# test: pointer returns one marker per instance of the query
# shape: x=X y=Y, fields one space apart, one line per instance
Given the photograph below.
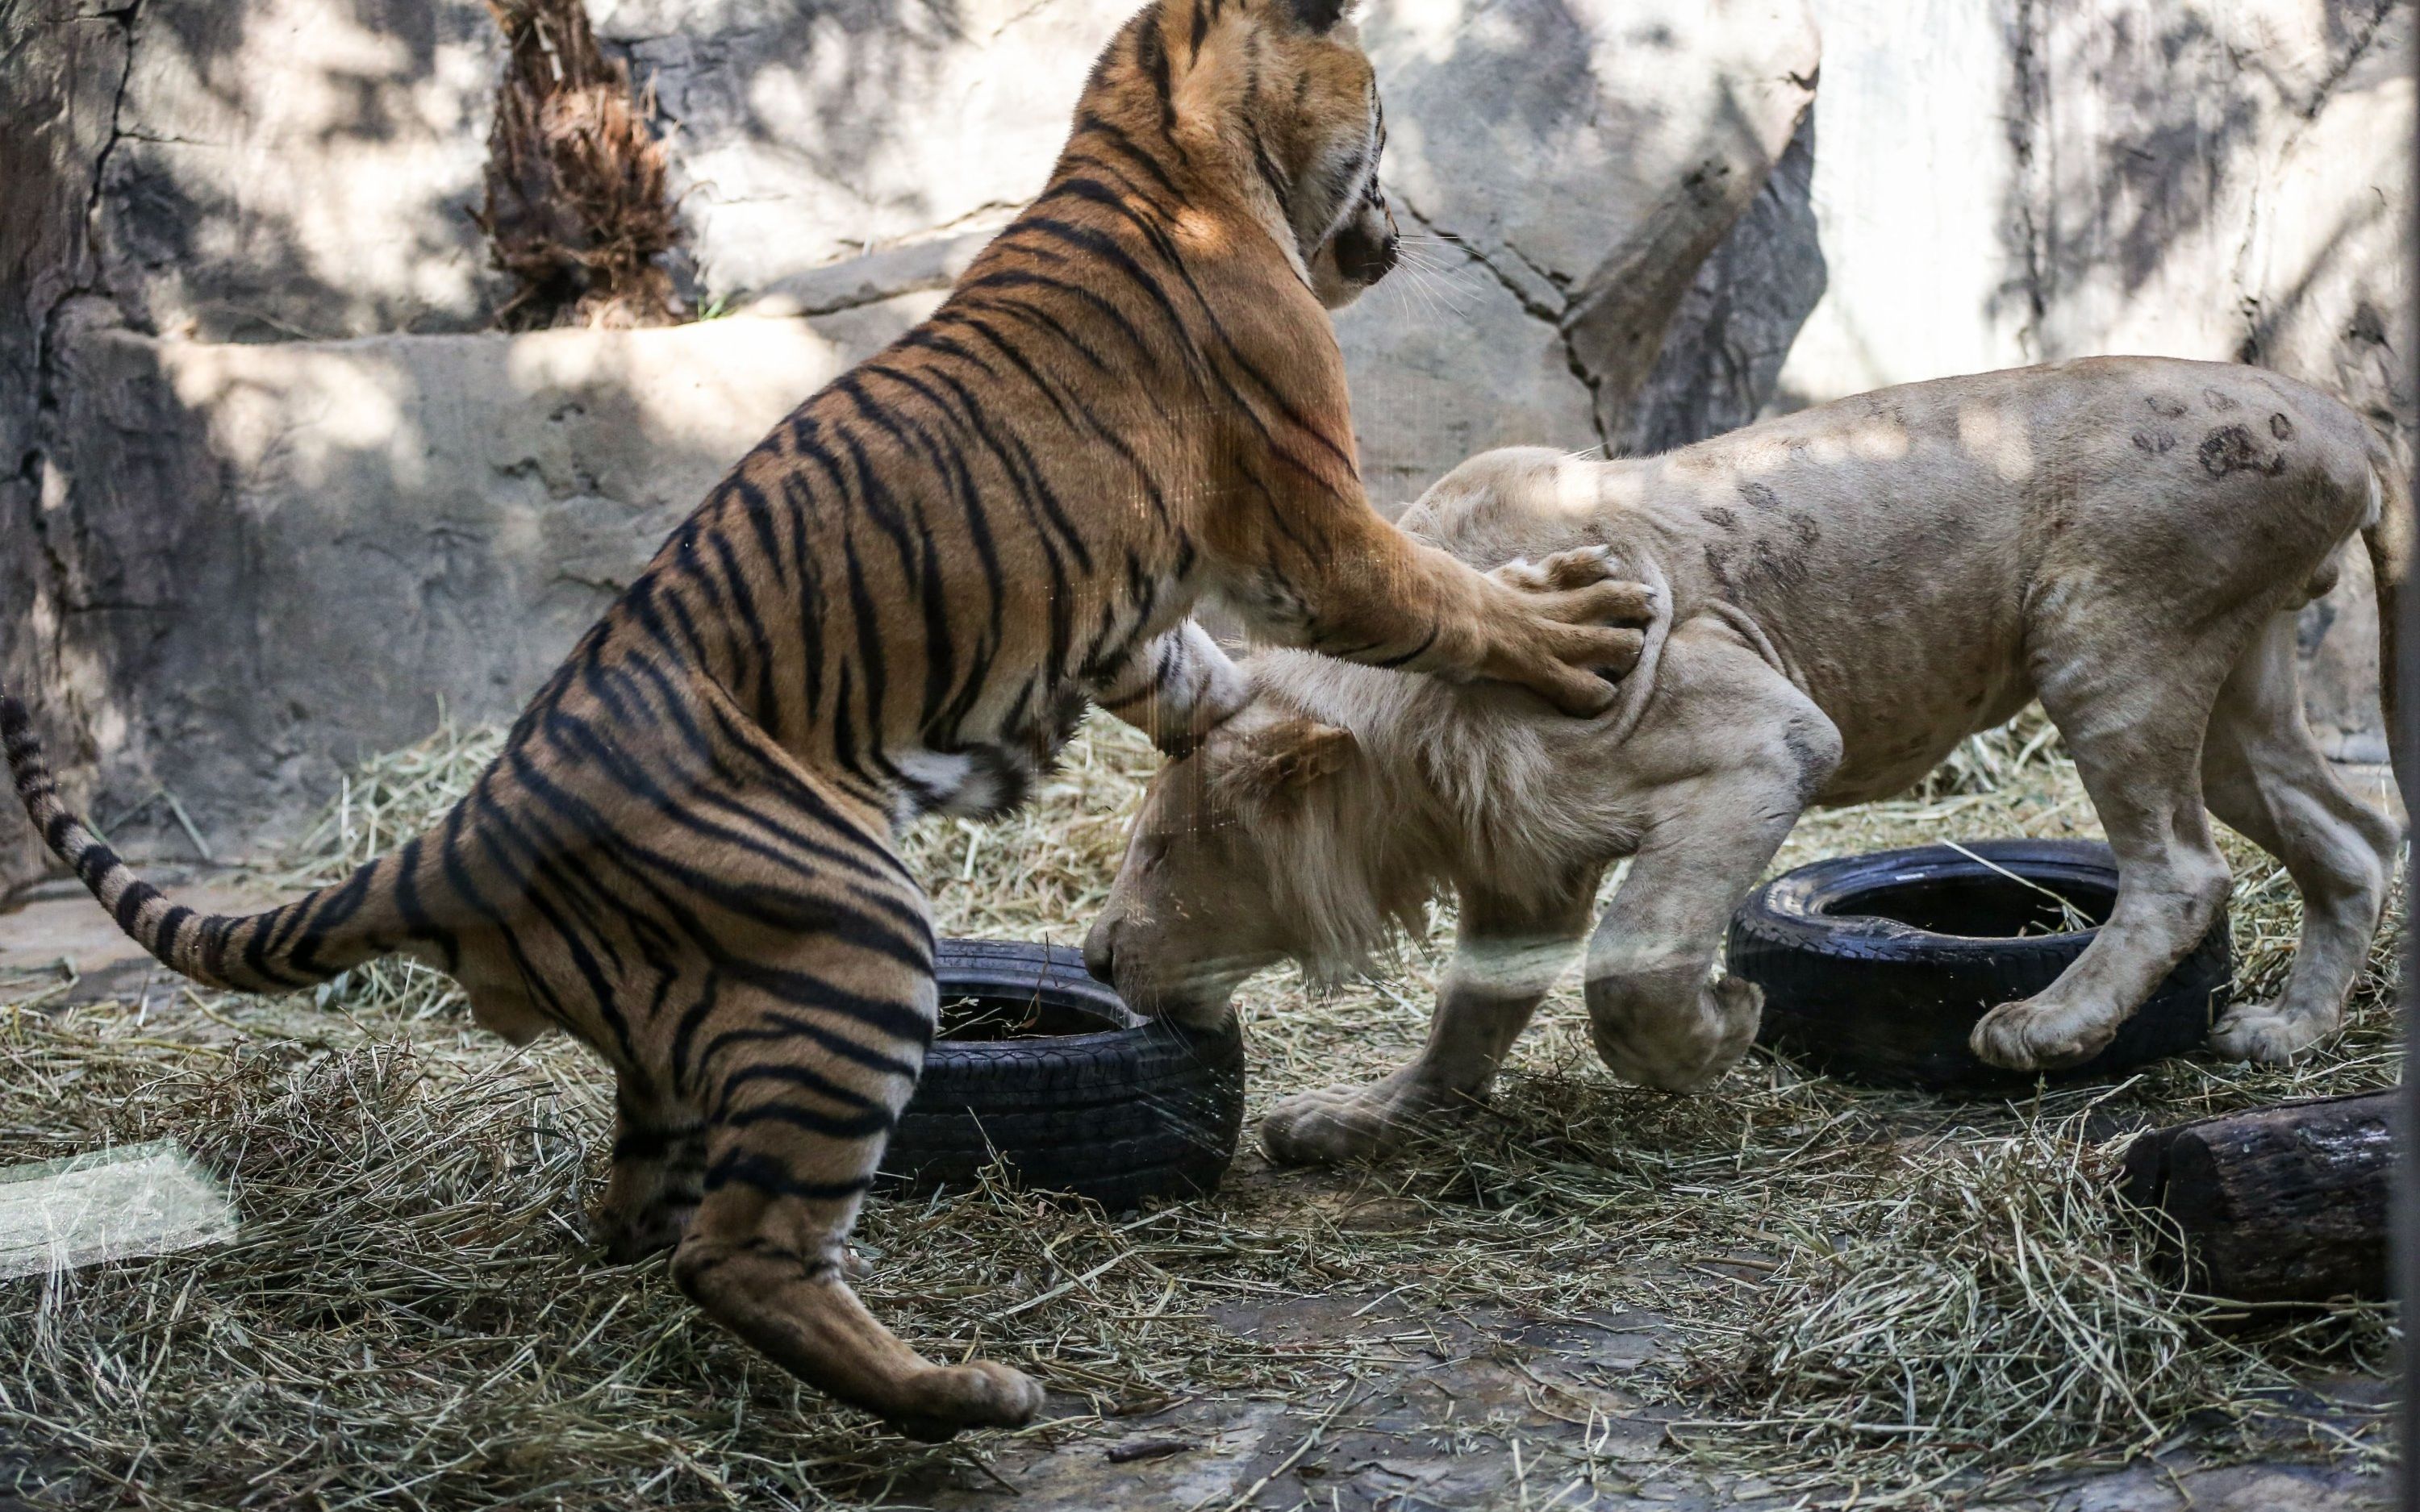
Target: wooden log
x=2278 y=1204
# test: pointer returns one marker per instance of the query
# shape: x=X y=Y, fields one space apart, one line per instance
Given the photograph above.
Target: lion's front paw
x=2034 y=1036
x=2259 y=1033
x=1674 y=1048
x=1340 y=1125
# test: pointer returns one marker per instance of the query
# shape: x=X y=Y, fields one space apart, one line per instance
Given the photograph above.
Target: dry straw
x=1923 y=1299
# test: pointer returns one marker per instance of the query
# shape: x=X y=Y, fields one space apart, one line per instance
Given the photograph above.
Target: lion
x=1840 y=596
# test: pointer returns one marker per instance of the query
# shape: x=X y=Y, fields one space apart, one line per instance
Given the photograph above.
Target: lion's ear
x=1295 y=752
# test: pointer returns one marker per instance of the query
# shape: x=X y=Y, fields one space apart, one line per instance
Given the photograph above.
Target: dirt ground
x=1374 y=1384
x=1421 y=1408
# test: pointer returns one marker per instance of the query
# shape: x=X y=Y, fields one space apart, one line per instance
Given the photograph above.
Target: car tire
x=1876 y=967
x=1091 y=1099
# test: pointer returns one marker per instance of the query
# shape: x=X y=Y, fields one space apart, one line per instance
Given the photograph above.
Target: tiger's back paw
x=949 y=1399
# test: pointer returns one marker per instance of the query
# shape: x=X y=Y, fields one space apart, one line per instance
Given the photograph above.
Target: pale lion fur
x=1840 y=596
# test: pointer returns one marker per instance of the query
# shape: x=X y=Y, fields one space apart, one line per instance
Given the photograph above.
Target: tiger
x=900 y=603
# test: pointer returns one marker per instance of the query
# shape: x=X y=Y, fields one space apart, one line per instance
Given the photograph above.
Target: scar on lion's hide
x=2231 y=449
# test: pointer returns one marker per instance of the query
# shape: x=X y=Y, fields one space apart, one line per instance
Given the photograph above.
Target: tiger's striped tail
x=300 y=944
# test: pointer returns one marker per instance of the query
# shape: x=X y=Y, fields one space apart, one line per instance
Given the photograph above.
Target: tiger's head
x=1276 y=99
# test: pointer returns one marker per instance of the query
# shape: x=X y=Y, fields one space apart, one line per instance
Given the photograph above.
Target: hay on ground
x=1903 y=1291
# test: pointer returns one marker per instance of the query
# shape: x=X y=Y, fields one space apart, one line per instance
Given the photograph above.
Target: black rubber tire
x=1874 y=999
x=1139 y=1109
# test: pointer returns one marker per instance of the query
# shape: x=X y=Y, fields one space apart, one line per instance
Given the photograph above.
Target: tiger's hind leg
x=805 y=1065
x=658 y=1173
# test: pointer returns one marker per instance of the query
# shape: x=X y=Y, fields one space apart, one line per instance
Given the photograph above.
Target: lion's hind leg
x=2263 y=775
x=2133 y=716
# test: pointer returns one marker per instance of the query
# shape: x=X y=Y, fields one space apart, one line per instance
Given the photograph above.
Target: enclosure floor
x=1492 y=1410
x=1397 y=1405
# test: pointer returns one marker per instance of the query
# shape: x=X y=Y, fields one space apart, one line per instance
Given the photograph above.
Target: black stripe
x=466 y=890
x=933 y=594
x=863 y=1125
x=743 y=600
x=805 y=990
x=1089 y=124
x=769 y=1176
x=796 y=910
x=759 y=512
x=1280 y=186
x=1416 y=653
x=130 y=903
x=548 y=864
x=775 y=1024
x=1014 y=278
x=1150 y=54
x=804 y=1078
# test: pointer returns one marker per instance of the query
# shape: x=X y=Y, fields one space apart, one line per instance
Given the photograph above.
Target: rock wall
x=278 y=499
x=267 y=494
x=292 y=169
x=58 y=91
x=1562 y=167
x=369 y=533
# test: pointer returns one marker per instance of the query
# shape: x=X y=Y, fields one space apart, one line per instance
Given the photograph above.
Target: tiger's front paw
x=942 y=1400
x=1581 y=637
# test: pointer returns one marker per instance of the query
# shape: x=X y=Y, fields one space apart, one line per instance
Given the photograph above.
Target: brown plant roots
x=576 y=205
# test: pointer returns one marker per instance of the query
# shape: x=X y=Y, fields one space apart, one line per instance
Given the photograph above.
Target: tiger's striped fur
x=899 y=602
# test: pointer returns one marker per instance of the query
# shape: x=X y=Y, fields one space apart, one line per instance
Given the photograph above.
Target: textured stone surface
x=1985 y=183
x=300 y=168
x=1583 y=159
x=1722 y=358
x=60 y=65
x=801 y=133
x=289 y=554
x=1562 y=170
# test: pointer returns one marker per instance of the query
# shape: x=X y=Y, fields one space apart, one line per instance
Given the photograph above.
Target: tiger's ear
x=1291 y=754
x=1319 y=15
